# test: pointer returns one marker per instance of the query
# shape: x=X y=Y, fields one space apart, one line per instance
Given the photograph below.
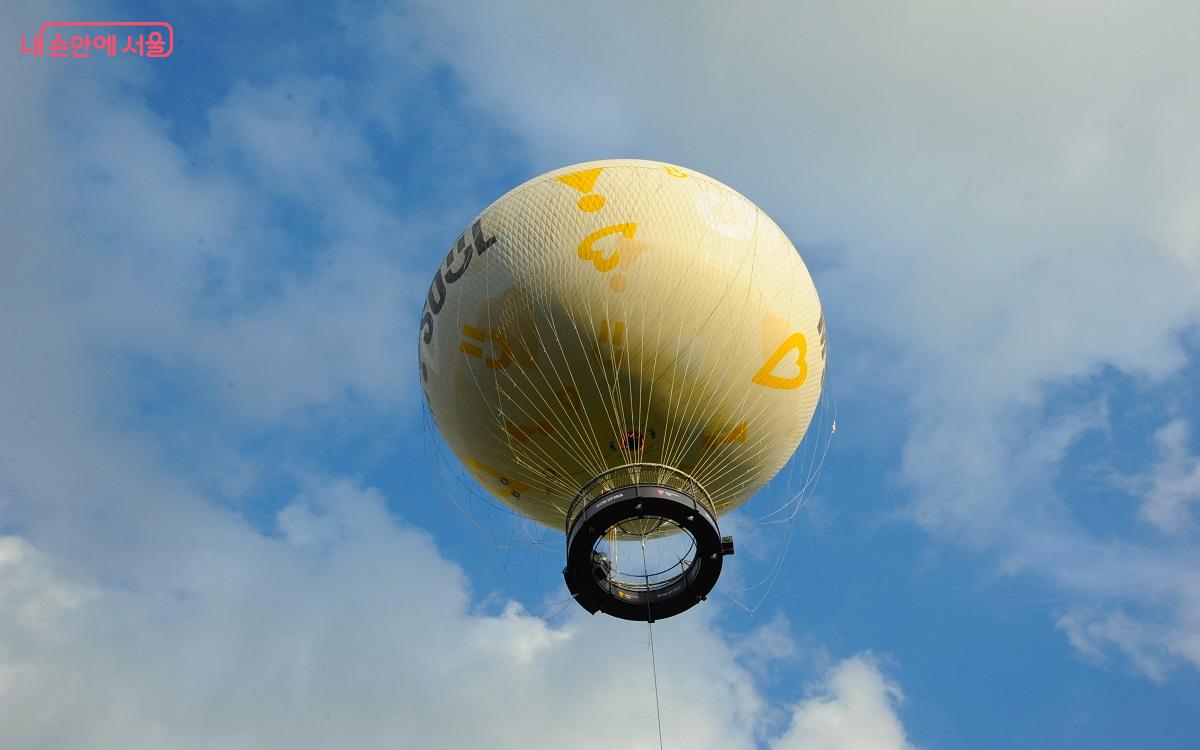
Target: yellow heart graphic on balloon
x=766 y=374
x=603 y=263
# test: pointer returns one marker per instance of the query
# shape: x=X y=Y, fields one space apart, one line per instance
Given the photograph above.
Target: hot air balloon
x=625 y=350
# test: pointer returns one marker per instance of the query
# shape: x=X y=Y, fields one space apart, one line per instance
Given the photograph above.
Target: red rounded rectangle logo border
x=39 y=45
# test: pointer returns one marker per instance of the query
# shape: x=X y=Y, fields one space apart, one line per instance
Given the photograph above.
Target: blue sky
x=222 y=518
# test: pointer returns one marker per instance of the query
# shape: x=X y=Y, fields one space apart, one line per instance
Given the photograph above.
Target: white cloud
x=1094 y=633
x=1009 y=189
x=854 y=708
x=1174 y=483
x=136 y=246
x=350 y=629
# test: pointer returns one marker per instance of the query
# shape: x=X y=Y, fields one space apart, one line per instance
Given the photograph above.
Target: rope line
x=653 y=659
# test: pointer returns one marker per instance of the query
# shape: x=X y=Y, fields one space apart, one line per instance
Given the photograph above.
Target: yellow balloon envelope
x=616 y=321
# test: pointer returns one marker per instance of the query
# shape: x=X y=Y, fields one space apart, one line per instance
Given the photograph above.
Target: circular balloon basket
x=645 y=550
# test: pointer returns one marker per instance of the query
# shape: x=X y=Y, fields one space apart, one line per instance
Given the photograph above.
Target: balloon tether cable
x=653 y=660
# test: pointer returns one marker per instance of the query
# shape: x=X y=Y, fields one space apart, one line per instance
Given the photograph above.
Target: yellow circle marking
x=590 y=203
